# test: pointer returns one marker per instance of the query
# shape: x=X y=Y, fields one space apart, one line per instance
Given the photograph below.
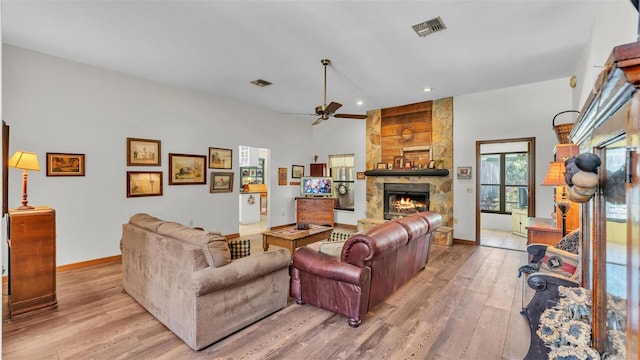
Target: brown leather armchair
x=372 y=265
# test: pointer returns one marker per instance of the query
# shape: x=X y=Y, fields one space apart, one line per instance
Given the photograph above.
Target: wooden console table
x=542 y=231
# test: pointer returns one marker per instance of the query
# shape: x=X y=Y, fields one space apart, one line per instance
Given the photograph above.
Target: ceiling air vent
x=429 y=27
x=261 y=83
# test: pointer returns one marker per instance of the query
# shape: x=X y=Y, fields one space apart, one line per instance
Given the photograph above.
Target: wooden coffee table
x=292 y=238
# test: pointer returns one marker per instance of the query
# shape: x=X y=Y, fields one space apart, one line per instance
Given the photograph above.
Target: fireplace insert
x=405 y=199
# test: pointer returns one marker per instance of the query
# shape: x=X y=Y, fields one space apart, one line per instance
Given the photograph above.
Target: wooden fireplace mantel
x=407 y=172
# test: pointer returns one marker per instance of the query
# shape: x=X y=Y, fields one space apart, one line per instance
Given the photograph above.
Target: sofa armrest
x=536 y=251
x=239 y=271
x=326 y=266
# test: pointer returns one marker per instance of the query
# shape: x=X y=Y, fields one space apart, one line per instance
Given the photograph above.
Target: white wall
x=343 y=136
x=56 y=105
x=616 y=24
x=515 y=112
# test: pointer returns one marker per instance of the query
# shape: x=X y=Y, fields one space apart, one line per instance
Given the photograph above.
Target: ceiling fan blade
x=350 y=116
x=332 y=107
x=318 y=121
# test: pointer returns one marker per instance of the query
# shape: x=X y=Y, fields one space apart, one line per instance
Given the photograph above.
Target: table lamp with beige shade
x=555 y=177
x=26 y=161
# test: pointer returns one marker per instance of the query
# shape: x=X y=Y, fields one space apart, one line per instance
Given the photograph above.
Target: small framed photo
x=297 y=171
x=398 y=162
x=65 y=164
x=144 y=183
x=221 y=182
x=360 y=175
x=143 y=152
x=464 y=172
x=220 y=158
x=186 y=169
x=381 y=165
x=282 y=176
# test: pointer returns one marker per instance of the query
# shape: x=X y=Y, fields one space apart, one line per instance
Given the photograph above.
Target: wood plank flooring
x=464 y=305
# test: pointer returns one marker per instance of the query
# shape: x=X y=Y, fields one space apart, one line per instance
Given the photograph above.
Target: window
x=341 y=170
x=503 y=182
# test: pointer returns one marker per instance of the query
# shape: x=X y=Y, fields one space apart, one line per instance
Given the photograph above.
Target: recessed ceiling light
x=359 y=102
x=427 y=89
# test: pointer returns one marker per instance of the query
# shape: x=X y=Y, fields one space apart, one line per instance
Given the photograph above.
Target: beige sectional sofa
x=185 y=278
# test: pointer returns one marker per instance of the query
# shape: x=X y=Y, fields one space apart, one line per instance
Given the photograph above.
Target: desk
x=292 y=238
x=542 y=231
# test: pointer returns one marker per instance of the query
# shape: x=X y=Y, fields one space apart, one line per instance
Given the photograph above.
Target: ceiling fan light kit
x=325 y=111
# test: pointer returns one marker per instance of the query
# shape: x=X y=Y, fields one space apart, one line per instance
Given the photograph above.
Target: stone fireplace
x=405 y=199
x=440 y=142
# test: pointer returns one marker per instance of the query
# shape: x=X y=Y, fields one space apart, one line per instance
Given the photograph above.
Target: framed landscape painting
x=220 y=158
x=143 y=152
x=186 y=169
x=64 y=164
x=144 y=183
x=297 y=171
x=221 y=182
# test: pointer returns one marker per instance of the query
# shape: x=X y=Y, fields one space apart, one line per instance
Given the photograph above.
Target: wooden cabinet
x=318 y=169
x=32 y=260
x=542 y=231
x=315 y=210
x=609 y=126
x=519 y=221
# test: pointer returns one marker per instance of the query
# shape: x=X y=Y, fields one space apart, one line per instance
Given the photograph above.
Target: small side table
x=542 y=231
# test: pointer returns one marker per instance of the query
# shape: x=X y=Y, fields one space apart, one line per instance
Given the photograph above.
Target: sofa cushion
x=213 y=244
x=570 y=243
x=240 y=248
x=559 y=262
x=146 y=221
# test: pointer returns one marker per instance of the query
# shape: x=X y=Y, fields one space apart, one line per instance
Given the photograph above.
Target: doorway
x=254 y=190
x=505 y=194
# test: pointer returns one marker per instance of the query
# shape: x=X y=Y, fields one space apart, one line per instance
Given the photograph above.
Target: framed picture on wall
x=65 y=164
x=464 y=172
x=282 y=176
x=220 y=158
x=297 y=171
x=143 y=152
x=186 y=169
x=221 y=182
x=144 y=183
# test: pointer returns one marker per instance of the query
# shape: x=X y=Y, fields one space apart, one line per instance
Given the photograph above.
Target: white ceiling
x=218 y=47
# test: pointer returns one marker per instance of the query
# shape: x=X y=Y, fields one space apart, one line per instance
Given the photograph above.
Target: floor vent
x=429 y=27
x=261 y=83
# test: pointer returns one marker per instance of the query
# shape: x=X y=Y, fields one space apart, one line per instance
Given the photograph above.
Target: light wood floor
x=464 y=305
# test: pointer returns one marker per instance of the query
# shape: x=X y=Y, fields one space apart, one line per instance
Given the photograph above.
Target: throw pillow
x=219 y=249
x=239 y=248
x=339 y=236
x=560 y=262
x=570 y=242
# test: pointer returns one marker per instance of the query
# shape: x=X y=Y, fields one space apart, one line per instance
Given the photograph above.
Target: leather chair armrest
x=540 y=281
x=326 y=266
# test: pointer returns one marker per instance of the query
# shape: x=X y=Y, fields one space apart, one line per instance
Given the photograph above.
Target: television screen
x=316 y=186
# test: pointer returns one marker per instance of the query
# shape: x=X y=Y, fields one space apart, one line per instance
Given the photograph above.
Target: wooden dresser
x=32 y=260
x=315 y=210
x=542 y=231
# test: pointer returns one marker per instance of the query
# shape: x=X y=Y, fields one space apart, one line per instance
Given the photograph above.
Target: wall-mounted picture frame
x=282 y=176
x=360 y=175
x=143 y=152
x=187 y=169
x=464 y=172
x=65 y=164
x=144 y=183
x=297 y=171
x=220 y=158
x=221 y=182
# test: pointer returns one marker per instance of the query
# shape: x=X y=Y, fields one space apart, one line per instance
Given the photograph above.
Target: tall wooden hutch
x=609 y=126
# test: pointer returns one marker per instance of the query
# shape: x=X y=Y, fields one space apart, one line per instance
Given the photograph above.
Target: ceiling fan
x=324 y=110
